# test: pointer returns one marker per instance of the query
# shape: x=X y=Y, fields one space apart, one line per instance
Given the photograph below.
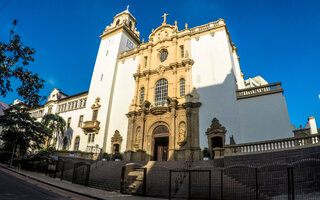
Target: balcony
x=159 y=109
x=259 y=91
x=91 y=126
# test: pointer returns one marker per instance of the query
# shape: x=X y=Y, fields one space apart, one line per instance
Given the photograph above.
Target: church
x=160 y=99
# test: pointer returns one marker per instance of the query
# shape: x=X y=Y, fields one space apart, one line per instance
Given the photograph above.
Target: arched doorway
x=216 y=142
x=161 y=143
x=116 y=148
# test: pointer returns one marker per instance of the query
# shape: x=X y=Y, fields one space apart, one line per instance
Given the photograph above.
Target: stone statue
x=182 y=134
x=137 y=138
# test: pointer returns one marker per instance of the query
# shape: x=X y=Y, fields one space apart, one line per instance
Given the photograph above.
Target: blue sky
x=278 y=40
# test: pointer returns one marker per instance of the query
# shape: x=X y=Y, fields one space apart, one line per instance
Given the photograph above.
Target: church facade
x=155 y=100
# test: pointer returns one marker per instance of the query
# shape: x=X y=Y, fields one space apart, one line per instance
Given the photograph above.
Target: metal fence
x=190 y=184
x=295 y=181
x=299 y=180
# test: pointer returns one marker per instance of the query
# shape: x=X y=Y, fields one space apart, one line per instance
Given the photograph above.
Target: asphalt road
x=15 y=186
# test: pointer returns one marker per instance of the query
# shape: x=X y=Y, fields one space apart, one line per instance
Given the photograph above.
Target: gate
x=133 y=180
x=189 y=184
x=81 y=173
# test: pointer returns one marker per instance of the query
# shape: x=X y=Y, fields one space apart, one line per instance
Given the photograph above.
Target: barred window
x=182 y=51
x=80 y=121
x=161 y=92
x=141 y=95
x=182 y=87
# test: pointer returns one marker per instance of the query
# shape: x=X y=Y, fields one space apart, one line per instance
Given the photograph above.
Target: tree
x=20 y=129
x=55 y=124
x=14 y=59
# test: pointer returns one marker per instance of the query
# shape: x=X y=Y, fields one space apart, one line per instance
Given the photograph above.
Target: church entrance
x=161 y=148
x=161 y=143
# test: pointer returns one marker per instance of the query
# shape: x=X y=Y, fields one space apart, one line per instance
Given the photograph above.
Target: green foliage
x=206 y=152
x=55 y=124
x=44 y=154
x=14 y=59
x=19 y=128
x=117 y=155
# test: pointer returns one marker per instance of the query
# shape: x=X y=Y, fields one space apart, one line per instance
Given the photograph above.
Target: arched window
x=65 y=144
x=141 y=95
x=182 y=87
x=161 y=92
x=118 y=21
x=76 y=144
x=130 y=24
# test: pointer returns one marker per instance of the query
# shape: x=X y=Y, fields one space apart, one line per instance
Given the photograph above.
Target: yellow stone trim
x=185 y=34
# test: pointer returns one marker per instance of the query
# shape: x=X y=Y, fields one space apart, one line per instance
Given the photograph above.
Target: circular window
x=163 y=55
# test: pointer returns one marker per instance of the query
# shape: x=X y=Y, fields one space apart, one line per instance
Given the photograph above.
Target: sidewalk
x=75 y=188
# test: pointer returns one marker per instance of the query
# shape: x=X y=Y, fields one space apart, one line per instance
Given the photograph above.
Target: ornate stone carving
x=116 y=137
x=182 y=134
x=161 y=69
x=96 y=104
x=216 y=135
x=162 y=33
x=116 y=140
x=215 y=127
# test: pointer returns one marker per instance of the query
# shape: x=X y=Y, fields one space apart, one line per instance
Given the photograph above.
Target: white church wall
x=122 y=98
x=101 y=83
x=237 y=71
x=213 y=77
x=264 y=118
x=74 y=130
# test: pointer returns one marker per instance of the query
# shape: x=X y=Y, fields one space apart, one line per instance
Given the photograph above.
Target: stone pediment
x=215 y=127
x=162 y=33
x=116 y=137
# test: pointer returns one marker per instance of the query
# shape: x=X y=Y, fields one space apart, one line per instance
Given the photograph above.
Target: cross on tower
x=164 y=17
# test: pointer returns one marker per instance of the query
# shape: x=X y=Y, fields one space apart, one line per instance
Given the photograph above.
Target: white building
x=251 y=110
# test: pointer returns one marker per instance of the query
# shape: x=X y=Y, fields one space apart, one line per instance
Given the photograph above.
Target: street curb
x=79 y=193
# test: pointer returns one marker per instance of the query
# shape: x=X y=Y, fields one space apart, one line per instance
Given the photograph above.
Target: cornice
x=123 y=26
x=164 y=69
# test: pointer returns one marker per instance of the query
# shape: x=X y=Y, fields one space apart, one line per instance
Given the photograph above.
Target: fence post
x=189 y=195
x=221 y=184
x=292 y=183
x=88 y=175
x=170 y=184
x=144 y=181
x=56 y=168
x=257 y=186
x=62 y=171
x=122 y=181
x=289 y=184
x=210 y=184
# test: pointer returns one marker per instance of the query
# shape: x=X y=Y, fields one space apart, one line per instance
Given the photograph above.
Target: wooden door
x=160 y=153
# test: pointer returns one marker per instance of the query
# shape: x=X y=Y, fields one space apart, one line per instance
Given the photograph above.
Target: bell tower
x=120 y=36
